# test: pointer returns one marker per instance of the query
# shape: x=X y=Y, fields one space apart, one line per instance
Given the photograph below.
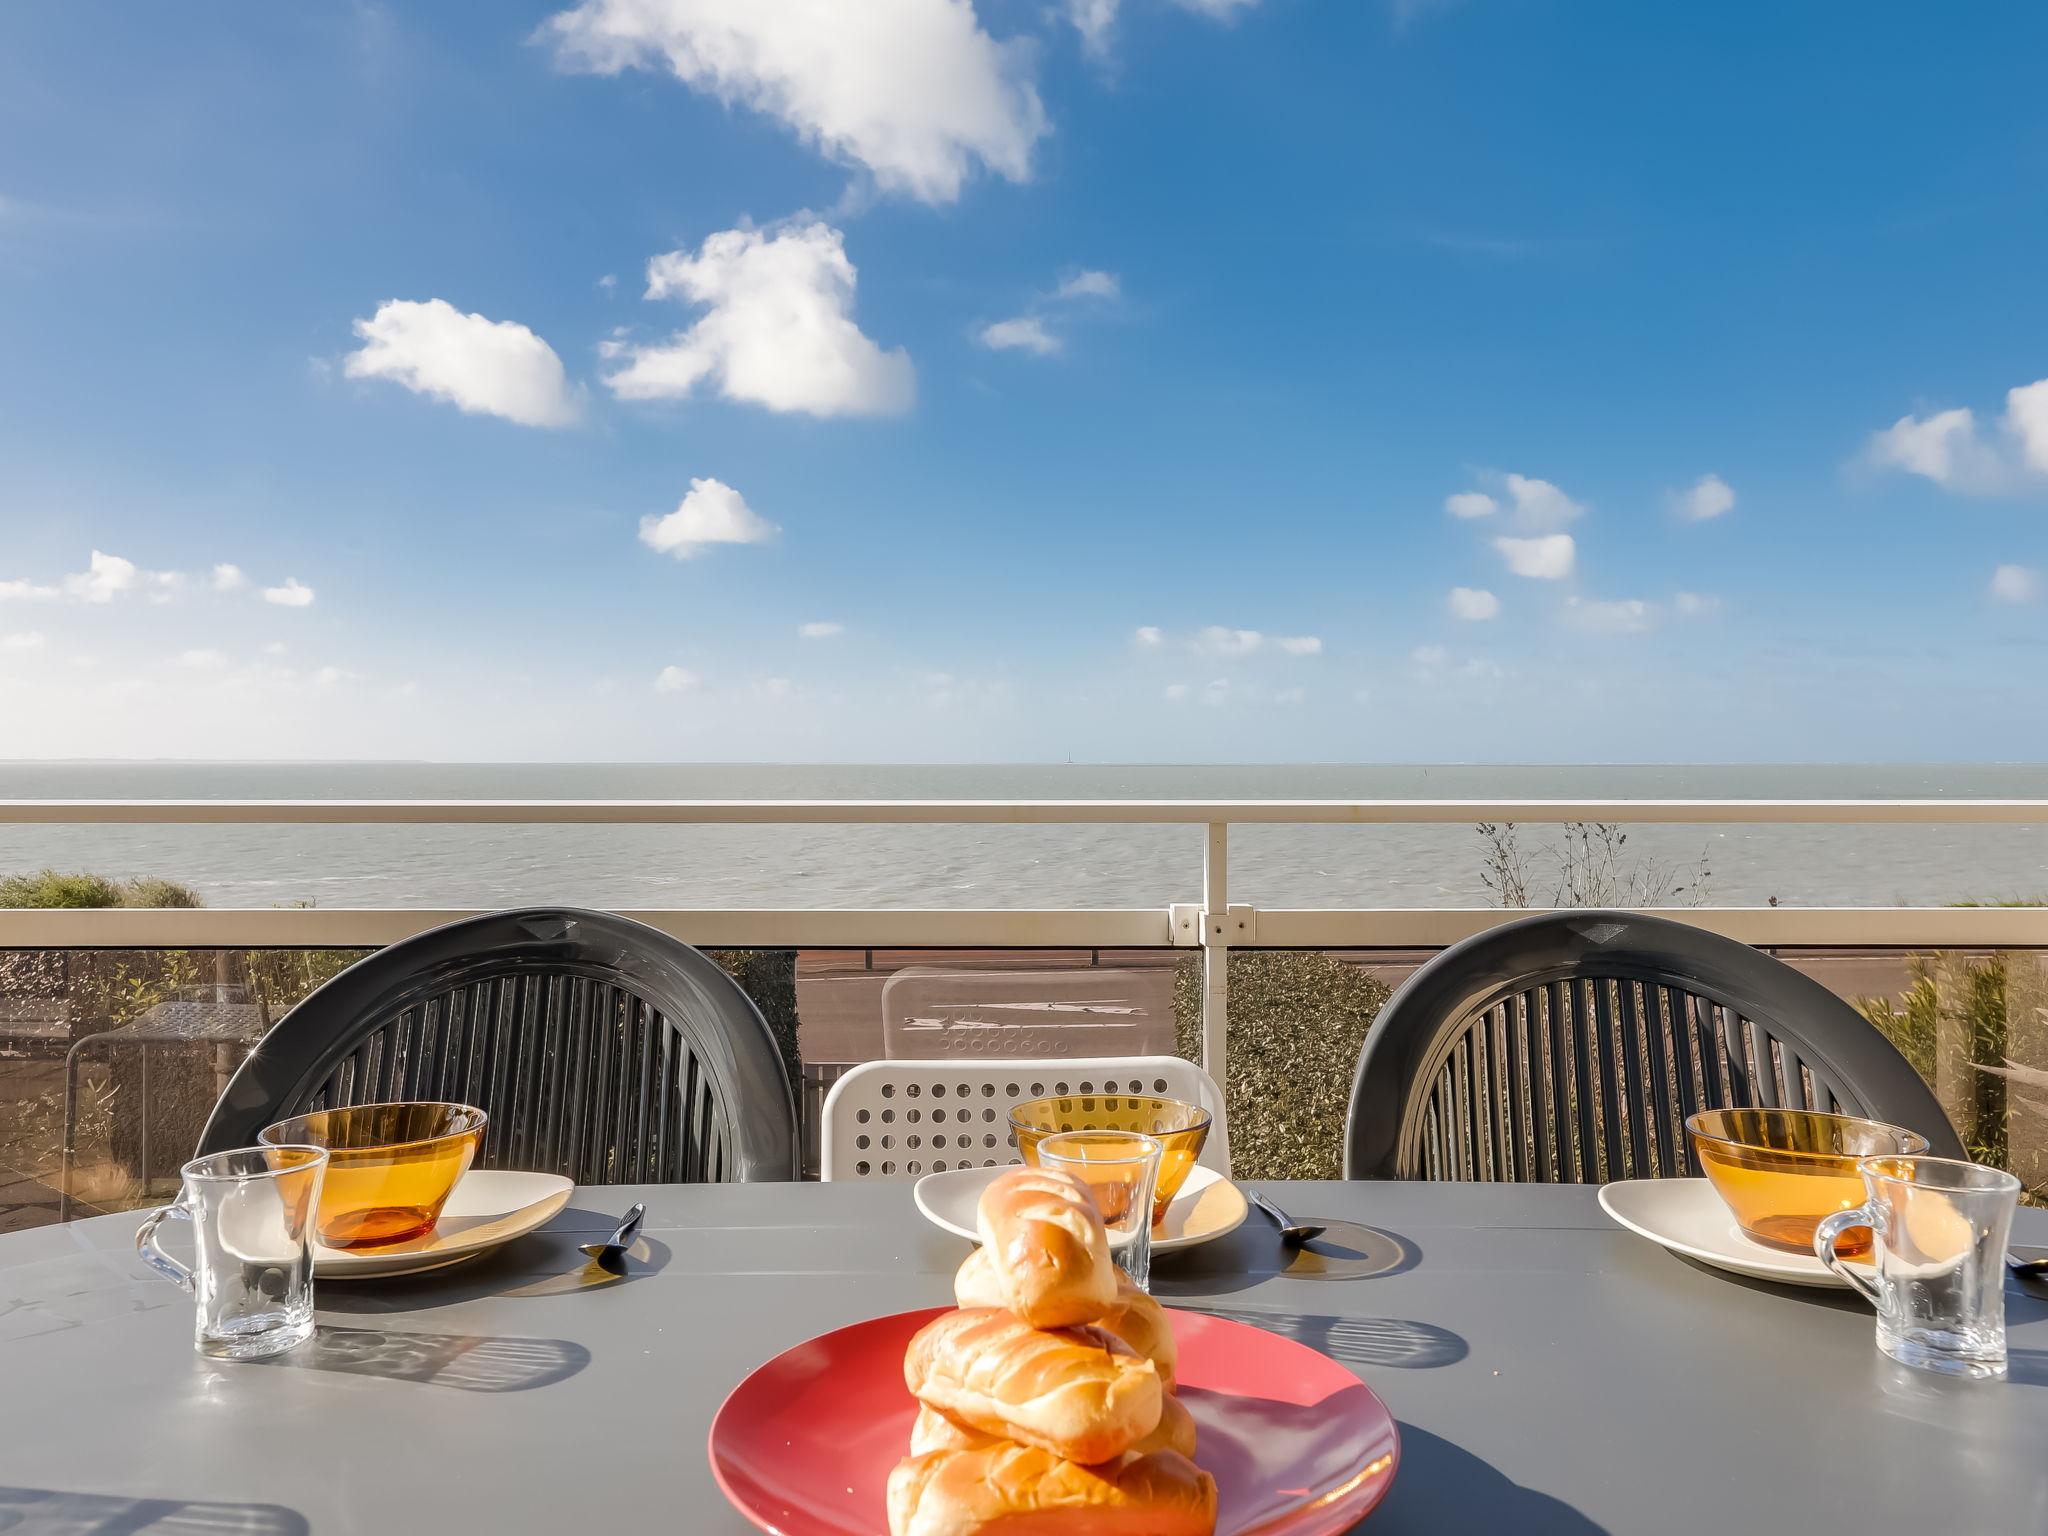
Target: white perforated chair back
x=903 y=1119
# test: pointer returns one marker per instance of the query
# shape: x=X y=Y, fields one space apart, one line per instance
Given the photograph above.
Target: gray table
x=1551 y=1373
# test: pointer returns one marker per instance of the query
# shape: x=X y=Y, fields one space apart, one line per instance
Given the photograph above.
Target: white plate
x=489 y=1206
x=1207 y=1206
x=1686 y=1216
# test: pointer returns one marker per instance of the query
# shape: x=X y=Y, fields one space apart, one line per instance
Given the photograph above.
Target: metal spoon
x=612 y=1255
x=2028 y=1267
x=1292 y=1232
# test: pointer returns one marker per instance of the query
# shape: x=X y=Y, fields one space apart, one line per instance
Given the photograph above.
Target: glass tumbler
x=252 y=1221
x=1120 y=1169
x=1938 y=1230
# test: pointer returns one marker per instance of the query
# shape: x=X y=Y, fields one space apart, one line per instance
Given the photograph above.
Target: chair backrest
x=602 y=1049
x=941 y=1014
x=1570 y=1048
x=901 y=1119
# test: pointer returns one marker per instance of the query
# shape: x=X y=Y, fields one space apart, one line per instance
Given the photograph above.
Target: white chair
x=900 y=1119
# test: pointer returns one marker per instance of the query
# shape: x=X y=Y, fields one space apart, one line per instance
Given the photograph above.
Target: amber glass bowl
x=390 y=1167
x=1781 y=1170
x=1180 y=1129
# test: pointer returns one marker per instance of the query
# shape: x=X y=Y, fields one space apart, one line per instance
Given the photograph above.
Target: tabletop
x=1550 y=1373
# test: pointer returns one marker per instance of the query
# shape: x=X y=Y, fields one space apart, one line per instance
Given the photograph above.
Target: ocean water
x=1010 y=867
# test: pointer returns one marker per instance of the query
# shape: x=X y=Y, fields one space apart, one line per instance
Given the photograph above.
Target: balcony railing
x=1208 y=921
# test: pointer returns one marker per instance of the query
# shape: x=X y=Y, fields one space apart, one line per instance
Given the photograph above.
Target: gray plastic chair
x=1570 y=1048
x=602 y=1049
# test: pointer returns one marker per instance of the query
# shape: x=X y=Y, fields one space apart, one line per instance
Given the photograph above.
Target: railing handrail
x=1380 y=812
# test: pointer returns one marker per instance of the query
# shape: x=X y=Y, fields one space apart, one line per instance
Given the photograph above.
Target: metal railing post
x=1216 y=951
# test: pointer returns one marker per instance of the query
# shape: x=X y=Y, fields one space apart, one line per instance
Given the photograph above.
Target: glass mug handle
x=1831 y=1228
x=155 y=1257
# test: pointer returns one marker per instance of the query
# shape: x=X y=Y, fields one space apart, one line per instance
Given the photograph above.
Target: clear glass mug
x=1939 y=1229
x=252 y=1222
x=1121 y=1169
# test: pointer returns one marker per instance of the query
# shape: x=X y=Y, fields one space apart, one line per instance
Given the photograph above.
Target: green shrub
x=150 y=891
x=49 y=888
x=1297 y=1020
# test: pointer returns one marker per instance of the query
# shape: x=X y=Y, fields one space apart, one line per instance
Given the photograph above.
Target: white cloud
x=1539 y=503
x=293 y=594
x=1149 y=635
x=1474 y=603
x=1217 y=694
x=1026 y=333
x=1624 y=616
x=1095 y=20
x=2026 y=418
x=776 y=688
x=1087 y=284
x=273 y=648
x=1290 y=696
x=608 y=282
x=820 y=629
x=1301 y=645
x=202 y=661
x=229 y=578
x=1547 y=558
x=2015 y=584
x=1694 y=605
x=674 y=680
x=1216 y=640
x=778 y=329
x=104 y=576
x=1177 y=691
x=1471 y=504
x=1952 y=450
x=712 y=512
x=1709 y=497
x=913 y=90
x=19 y=644
x=1429 y=656
x=483 y=367
x=328 y=677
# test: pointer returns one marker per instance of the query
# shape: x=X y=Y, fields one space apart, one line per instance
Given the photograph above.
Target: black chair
x=602 y=1049
x=1570 y=1048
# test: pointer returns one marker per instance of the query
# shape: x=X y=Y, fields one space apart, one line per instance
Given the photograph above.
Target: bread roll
x=1047 y=1246
x=1015 y=1488
x=933 y=1431
x=1077 y=1392
x=1142 y=1323
x=1134 y=1317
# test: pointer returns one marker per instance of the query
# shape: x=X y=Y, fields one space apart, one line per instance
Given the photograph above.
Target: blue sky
x=1096 y=373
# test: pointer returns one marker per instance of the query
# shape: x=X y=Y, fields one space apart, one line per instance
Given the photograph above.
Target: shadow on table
x=48 y=1512
x=465 y=1362
x=1358 y=1341
x=2027 y=1367
x=508 y=1272
x=1833 y=1298
x=1444 y=1487
x=1346 y=1251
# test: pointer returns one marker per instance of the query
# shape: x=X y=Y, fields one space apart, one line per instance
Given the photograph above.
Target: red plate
x=1297 y=1444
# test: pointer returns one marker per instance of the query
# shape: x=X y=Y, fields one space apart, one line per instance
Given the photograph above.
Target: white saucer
x=1207 y=1206
x=490 y=1206
x=1686 y=1216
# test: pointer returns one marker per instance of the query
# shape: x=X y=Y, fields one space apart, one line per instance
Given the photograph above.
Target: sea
x=1018 y=867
